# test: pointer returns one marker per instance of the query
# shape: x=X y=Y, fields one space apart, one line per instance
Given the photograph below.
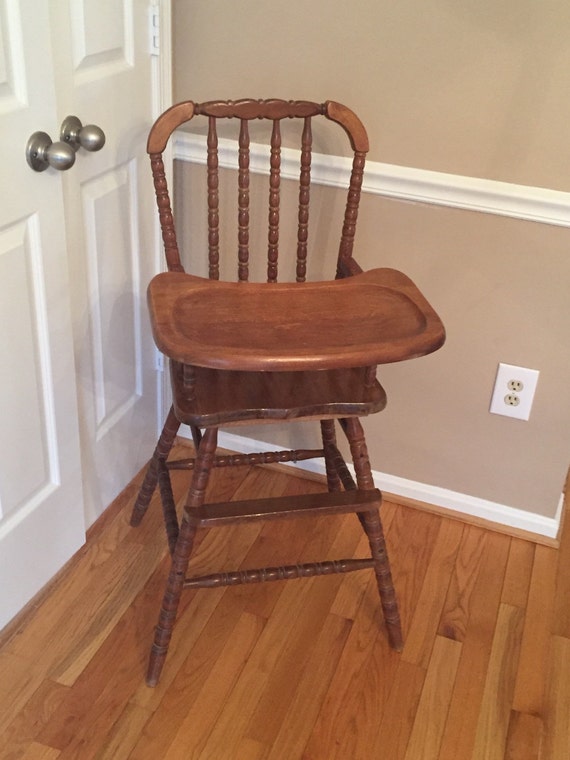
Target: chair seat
x=374 y=317
x=226 y=397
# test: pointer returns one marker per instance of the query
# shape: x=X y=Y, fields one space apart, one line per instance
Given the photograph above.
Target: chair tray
x=371 y=318
x=223 y=397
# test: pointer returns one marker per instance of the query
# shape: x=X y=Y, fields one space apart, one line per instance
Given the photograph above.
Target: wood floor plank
x=40 y=752
x=397 y=721
x=353 y=586
x=19 y=680
x=432 y=709
x=275 y=544
x=524 y=738
x=533 y=664
x=123 y=735
x=305 y=705
x=459 y=733
x=420 y=639
x=207 y=623
x=98 y=622
x=201 y=717
x=30 y=718
x=248 y=749
x=266 y=719
x=519 y=570
x=494 y=716
x=456 y=610
x=561 y=625
x=557 y=720
x=363 y=677
x=76 y=609
x=98 y=697
x=233 y=721
x=410 y=541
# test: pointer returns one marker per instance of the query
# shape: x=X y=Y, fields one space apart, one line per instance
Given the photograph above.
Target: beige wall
x=473 y=88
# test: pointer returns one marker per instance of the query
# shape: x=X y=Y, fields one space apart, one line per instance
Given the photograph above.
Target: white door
x=70 y=278
x=41 y=502
x=105 y=77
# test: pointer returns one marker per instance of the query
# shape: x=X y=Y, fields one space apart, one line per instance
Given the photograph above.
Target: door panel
x=28 y=469
x=101 y=37
x=113 y=284
x=41 y=502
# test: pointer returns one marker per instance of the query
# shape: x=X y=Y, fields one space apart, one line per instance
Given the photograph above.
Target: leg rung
x=262 y=457
x=286 y=572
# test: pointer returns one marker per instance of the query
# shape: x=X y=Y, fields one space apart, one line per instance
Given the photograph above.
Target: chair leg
x=329 y=447
x=181 y=556
x=161 y=453
x=196 y=436
x=372 y=525
x=168 y=506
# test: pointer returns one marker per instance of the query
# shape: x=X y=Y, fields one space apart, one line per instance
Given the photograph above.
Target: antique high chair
x=274 y=351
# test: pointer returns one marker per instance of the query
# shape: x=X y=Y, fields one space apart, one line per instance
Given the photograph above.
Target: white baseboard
x=536 y=204
x=517 y=521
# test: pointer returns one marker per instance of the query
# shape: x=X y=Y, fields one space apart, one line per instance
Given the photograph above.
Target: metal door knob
x=91 y=137
x=41 y=152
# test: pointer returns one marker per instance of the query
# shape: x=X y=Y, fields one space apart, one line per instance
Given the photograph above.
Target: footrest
x=335 y=502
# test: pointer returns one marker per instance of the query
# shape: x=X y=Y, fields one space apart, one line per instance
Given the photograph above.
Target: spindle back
x=244 y=111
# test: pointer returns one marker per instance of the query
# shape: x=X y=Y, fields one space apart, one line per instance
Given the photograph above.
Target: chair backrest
x=244 y=111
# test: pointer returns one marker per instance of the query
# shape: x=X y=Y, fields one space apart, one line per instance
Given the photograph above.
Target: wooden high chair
x=274 y=351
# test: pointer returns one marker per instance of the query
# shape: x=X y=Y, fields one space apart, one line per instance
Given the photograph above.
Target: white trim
x=463 y=504
x=161 y=64
x=162 y=87
x=535 y=204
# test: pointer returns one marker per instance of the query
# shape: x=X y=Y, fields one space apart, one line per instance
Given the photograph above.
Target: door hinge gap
x=154 y=30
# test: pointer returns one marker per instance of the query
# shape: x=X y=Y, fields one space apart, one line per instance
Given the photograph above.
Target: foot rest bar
x=335 y=502
x=286 y=572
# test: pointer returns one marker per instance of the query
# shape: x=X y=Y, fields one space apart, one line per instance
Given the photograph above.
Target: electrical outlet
x=513 y=393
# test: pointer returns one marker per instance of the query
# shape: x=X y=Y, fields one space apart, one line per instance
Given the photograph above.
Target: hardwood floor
x=298 y=670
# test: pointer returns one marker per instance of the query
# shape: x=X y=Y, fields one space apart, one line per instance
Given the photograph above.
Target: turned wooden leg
x=168 y=506
x=329 y=447
x=196 y=436
x=171 y=600
x=181 y=556
x=372 y=525
x=161 y=452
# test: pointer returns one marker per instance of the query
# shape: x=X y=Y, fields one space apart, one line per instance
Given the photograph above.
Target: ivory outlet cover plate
x=514 y=390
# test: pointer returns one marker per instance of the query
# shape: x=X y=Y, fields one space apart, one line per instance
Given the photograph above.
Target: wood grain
x=518 y=573
x=456 y=611
x=557 y=712
x=493 y=723
x=465 y=706
x=225 y=692
x=419 y=643
x=533 y=663
x=524 y=738
x=432 y=709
